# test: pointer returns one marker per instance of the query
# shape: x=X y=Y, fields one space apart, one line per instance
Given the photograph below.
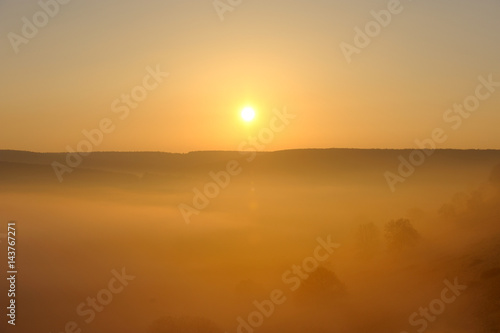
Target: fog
x=319 y=243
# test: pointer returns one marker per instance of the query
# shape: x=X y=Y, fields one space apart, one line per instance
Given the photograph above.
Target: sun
x=248 y=114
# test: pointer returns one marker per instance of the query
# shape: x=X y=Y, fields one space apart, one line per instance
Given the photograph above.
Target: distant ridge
x=328 y=166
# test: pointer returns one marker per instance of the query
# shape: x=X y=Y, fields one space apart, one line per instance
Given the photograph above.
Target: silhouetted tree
x=368 y=239
x=400 y=234
x=322 y=285
x=186 y=324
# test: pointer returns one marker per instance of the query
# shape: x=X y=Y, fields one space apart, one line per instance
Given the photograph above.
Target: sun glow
x=248 y=114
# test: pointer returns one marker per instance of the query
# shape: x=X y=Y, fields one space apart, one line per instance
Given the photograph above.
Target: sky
x=394 y=86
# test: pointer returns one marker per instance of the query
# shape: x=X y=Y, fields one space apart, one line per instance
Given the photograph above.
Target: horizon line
x=239 y=151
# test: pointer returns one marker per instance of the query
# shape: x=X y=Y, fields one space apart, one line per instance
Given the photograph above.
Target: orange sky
x=66 y=77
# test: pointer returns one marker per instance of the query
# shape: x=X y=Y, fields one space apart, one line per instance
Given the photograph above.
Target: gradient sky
x=268 y=54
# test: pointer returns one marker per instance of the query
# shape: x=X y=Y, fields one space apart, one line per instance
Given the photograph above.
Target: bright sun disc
x=248 y=113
